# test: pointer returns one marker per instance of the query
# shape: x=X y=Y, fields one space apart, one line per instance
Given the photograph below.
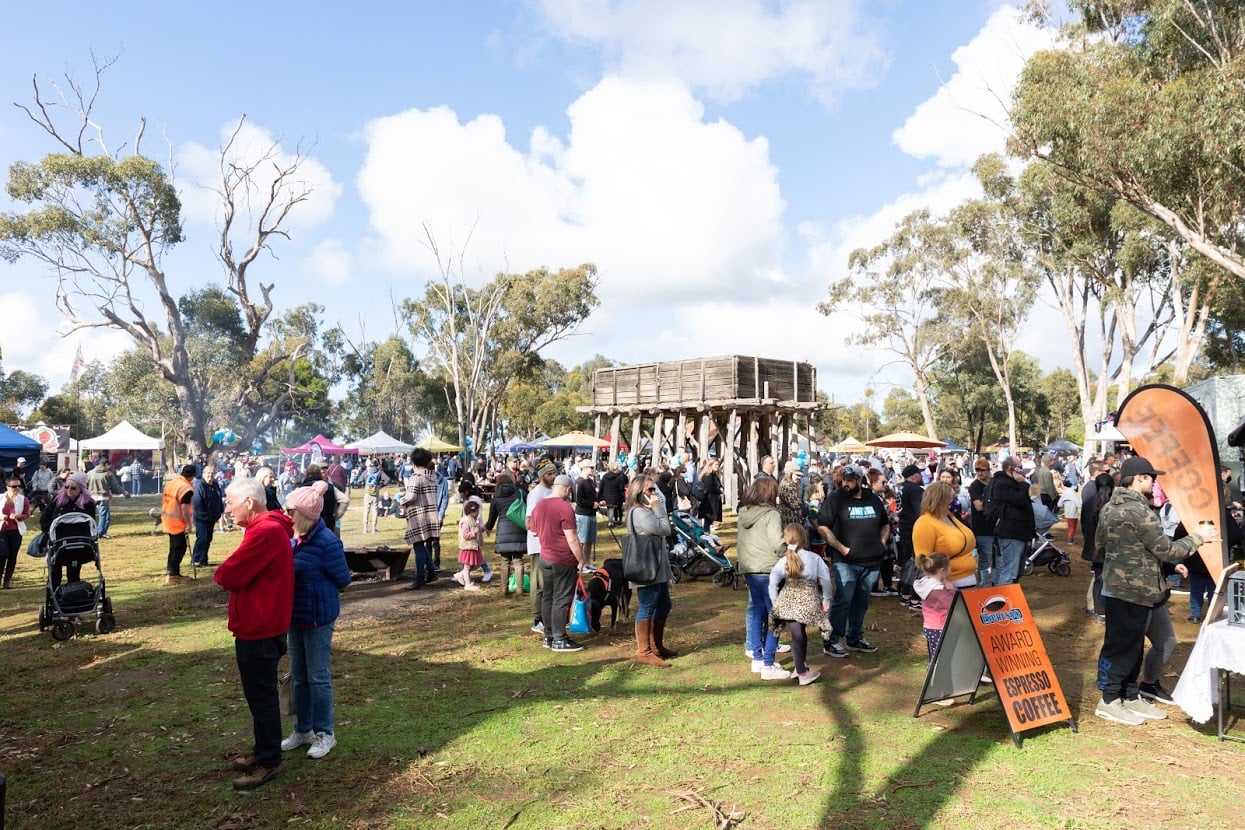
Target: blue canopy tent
x=952 y=447
x=515 y=445
x=14 y=445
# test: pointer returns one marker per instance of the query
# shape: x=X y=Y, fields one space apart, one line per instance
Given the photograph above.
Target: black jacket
x=585 y=496
x=1015 y=510
x=510 y=537
x=910 y=494
x=611 y=489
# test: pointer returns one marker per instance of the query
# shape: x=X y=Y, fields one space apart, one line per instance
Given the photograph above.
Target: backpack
x=343 y=502
x=699 y=490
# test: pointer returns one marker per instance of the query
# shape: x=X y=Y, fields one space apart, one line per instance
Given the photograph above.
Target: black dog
x=608 y=589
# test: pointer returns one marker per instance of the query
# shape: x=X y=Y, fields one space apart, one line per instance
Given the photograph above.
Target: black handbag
x=641 y=556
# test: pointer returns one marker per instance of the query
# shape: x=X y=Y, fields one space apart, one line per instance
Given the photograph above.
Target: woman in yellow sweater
x=938 y=531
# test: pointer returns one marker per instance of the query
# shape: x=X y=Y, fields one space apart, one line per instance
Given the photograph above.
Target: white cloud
x=727 y=47
x=660 y=200
x=968 y=115
x=30 y=340
x=199 y=177
x=332 y=262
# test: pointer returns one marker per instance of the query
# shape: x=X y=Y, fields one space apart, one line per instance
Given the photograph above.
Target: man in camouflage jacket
x=1132 y=539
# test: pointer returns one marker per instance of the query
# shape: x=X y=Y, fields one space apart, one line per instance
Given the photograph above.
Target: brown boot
x=258 y=776
x=644 y=645
x=659 y=648
x=504 y=573
x=518 y=577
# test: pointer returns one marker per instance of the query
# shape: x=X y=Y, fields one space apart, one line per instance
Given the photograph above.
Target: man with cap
x=546 y=472
x=103 y=484
x=586 y=503
x=374 y=479
x=911 y=491
x=561 y=558
x=176 y=516
x=981 y=525
x=856 y=527
x=1132 y=539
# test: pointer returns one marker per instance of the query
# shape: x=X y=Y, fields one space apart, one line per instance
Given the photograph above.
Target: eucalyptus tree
x=103 y=218
x=1145 y=102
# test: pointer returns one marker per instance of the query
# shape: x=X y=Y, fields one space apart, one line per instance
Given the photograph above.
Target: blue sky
x=717 y=160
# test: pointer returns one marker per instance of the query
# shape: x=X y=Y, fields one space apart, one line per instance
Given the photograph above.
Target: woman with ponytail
x=799 y=590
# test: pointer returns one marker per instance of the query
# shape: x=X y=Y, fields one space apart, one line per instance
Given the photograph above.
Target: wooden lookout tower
x=735 y=408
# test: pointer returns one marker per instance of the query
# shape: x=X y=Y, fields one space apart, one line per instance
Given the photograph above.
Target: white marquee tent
x=124 y=436
x=381 y=442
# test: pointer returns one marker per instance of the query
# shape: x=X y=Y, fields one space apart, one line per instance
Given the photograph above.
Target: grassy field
x=449 y=714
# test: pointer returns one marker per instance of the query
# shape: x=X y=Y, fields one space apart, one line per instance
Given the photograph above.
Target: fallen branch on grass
x=721 y=820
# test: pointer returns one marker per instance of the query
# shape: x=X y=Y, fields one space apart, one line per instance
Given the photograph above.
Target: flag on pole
x=77 y=366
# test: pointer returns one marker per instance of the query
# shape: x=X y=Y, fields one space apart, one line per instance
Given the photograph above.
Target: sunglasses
x=650 y=490
x=15 y=486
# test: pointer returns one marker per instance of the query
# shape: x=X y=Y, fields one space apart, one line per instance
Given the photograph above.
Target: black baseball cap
x=1138 y=466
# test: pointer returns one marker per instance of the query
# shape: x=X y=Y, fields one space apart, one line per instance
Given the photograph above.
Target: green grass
x=449 y=714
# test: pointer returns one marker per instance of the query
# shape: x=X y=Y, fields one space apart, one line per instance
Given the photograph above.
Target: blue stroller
x=695 y=554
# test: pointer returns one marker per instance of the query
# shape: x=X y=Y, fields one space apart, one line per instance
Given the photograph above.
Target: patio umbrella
x=1062 y=445
x=575 y=440
x=849 y=445
x=434 y=444
x=907 y=440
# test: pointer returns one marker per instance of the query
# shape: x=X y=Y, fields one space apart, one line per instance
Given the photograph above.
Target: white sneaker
x=458 y=577
x=488 y=577
x=808 y=677
x=471 y=586
x=783 y=648
x=322 y=745
x=297 y=739
x=1117 y=712
x=774 y=673
x=757 y=665
x=1145 y=709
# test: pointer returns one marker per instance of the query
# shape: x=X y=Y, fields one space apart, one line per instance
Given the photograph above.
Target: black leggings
x=799 y=645
x=10 y=544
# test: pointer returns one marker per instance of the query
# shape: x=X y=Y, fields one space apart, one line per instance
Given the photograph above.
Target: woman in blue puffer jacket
x=320 y=573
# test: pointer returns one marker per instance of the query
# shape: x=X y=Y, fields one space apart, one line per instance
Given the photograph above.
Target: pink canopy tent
x=326 y=446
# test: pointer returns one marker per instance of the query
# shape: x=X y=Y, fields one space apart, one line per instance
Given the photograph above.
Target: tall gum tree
x=103 y=219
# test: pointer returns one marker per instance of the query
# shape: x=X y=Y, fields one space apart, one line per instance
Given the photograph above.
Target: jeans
x=1007 y=565
x=1201 y=588
x=203 y=541
x=257 y=666
x=177 y=552
x=423 y=562
x=555 y=603
x=313 y=684
x=852 y=586
x=764 y=641
x=985 y=560
x=654 y=602
x=1119 y=662
x=749 y=644
x=104 y=517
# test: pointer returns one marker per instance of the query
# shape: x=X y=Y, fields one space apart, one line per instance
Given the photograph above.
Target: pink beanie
x=78 y=479
x=308 y=500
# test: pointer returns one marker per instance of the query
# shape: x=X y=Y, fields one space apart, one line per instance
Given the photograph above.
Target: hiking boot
x=775 y=673
x=565 y=644
x=861 y=644
x=297 y=739
x=258 y=776
x=243 y=763
x=174 y=579
x=1154 y=691
x=1117 y=712
x=1145 y=709
x=322 y=745
x=834 y=649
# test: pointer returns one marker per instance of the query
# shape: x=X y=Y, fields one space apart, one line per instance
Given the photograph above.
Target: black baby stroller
x=72 y=602
x=1042 y=551
x=695 y=554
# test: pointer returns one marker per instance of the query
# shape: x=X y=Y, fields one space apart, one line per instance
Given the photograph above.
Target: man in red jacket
x=259 y=577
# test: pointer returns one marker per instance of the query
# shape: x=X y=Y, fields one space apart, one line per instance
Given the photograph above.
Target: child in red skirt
x=470 y=530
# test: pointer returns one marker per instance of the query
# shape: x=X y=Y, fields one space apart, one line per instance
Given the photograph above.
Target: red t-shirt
x=550 y=519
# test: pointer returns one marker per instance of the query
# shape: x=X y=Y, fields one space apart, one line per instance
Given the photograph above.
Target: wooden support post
x=615 y=426
x=752 y=455
x=703 y=435
x=635 y=434
x=681 y=449
x=596 y=433
x=659 y=436
x=728 y=465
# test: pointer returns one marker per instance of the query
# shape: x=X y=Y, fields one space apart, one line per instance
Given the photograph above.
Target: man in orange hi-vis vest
x=176 y=517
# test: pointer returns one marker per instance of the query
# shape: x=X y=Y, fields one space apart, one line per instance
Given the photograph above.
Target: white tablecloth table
x=1219 y=647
